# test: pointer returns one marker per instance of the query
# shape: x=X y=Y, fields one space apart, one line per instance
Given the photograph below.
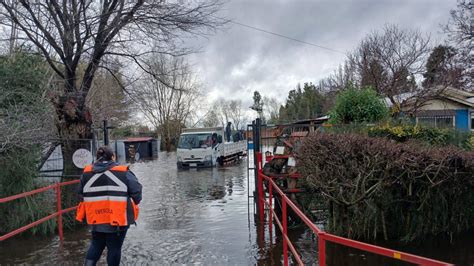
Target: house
x=451 y=108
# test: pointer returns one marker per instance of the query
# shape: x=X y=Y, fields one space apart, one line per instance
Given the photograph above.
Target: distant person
x=228 y=131
x=110 y=194
x=214 y=139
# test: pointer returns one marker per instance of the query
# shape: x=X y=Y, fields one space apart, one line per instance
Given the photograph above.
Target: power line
x=286 y=37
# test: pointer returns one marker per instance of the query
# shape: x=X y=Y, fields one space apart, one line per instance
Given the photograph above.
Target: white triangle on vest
x=120 y=185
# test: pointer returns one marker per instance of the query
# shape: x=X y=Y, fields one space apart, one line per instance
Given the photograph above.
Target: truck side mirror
x=219 y=138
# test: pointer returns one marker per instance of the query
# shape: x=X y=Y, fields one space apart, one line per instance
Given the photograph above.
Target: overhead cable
x=286 y=37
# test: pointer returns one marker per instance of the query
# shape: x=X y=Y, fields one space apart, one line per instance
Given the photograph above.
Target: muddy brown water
x=203 y=217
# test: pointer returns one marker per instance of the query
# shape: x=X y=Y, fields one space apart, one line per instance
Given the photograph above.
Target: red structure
x=59 y=213
x=322 y=236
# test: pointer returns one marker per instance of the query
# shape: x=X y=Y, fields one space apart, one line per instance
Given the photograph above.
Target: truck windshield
x=193 y=141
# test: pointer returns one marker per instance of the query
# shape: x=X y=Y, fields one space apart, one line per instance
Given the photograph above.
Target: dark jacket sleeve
x=134 y=187
x=80 y=188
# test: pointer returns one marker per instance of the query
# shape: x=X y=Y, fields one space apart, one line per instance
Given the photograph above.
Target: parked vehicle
x=205 y=147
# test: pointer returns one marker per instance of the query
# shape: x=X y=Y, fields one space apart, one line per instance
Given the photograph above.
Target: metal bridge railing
x=322 y=236
x=58 y=213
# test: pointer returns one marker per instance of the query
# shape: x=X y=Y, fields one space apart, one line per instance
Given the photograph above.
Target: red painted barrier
x=58 y=213
x=322 y=236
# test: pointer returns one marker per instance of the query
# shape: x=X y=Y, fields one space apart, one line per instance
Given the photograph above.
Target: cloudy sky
x=238 y=60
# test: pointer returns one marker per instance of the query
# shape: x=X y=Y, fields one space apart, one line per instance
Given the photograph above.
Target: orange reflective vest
x=106 y=199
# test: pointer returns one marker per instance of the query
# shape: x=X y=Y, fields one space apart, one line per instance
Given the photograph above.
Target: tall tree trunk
x=74 y=126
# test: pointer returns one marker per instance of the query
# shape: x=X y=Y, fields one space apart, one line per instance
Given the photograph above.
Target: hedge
x=375 y=187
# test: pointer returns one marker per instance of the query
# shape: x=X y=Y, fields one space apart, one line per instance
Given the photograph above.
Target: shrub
x=429 y=135
x=376 y=187
x=19 y=170
x=358 y=105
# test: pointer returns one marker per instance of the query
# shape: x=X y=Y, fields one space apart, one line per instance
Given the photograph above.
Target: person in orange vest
x=111 y=194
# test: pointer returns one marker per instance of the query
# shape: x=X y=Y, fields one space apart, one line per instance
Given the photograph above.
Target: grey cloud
x=237 y=60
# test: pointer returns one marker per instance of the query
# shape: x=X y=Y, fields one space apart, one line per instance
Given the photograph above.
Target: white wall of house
x=442 y=105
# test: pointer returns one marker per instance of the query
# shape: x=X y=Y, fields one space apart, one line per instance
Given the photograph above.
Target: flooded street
x=194 y=217
x=186 y=217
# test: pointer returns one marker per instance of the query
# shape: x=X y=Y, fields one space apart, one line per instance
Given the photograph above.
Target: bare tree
x=340 y=79
x=271 y=109
x=25 y=113
x=235 y=113
x=223 y=111
x=168 y=96
x=106 y=99
x=75 y=32
x=211 y=119
x=460 y=32
x=389 y=61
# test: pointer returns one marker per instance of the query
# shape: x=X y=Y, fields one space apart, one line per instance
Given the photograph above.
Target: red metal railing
x=59 y=213
x=322 y=236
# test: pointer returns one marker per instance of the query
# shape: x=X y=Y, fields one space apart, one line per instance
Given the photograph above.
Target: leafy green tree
x=257 y=101
x=440 y=68
x=358 y=105
x=258 y=104
x=302 y=103
x=25 y=125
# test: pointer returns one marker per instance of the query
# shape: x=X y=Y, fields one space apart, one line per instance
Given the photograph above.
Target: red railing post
x=270 y=214
x=261 y=196
x=285 y=231
x=60 y=215
x=322 y=249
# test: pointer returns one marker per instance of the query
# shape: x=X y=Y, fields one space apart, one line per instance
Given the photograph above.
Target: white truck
x=205 y=147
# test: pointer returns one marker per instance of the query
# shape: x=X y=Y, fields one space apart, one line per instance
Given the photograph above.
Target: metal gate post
x=261 y=196
x=59 y=209
x=254 y=136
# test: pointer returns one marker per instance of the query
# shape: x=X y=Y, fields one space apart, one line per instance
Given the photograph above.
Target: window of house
x=437 y=121
x=427 y=121
x=472 y=121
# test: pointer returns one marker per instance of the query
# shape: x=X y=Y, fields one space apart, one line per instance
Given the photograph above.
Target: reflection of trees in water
x=202 y=183
x=216 y=192
x=213 y=183
x=234 y=179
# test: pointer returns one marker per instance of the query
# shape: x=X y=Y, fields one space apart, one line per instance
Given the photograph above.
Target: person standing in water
x=111 y=194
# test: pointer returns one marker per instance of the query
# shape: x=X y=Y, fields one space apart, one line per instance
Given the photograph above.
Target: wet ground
x=200 y=217
x=186 y=217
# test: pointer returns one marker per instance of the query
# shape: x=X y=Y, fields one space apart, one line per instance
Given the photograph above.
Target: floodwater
x=201 y=217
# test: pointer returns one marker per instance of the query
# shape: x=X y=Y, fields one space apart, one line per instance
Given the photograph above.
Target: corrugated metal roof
x=138 y=139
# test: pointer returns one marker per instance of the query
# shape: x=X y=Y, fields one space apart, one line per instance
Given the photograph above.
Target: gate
x=53 y=161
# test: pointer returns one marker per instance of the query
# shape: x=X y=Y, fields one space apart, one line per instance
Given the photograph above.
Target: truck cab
x=200 y=147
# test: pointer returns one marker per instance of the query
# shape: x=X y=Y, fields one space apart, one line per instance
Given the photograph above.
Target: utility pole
x=106 y=133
